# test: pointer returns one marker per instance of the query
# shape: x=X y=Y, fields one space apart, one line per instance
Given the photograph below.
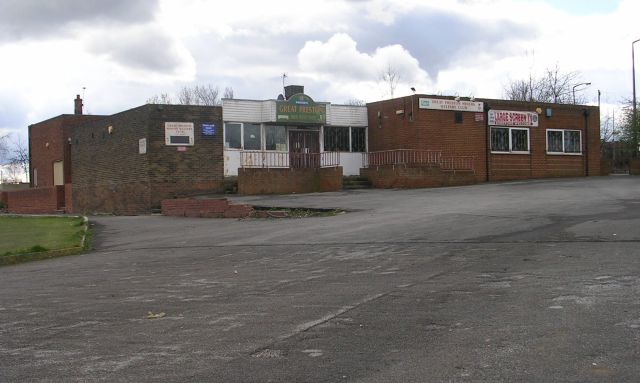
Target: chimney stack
x=77 y=105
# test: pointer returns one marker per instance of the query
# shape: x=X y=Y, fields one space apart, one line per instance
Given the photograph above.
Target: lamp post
x=634 y=118
x=574 y=89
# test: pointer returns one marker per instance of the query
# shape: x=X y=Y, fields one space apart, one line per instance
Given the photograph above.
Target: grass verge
x=27 y=238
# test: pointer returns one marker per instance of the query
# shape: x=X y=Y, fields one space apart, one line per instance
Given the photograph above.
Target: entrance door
x=304 y=149
x=58 y=173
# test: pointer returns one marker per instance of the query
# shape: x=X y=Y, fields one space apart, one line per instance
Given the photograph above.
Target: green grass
x=21 y=235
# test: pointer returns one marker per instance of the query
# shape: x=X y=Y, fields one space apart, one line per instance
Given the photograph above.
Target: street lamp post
x=574 y=89
x=634 y=118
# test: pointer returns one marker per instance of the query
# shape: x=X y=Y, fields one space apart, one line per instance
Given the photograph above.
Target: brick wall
x=3 y=198
x=54 y=132
x=197 y=170
x=37 y=200
x=110 y=175
x=415 y=177
x=205 y=208
x=437 y=130
x=285 y=181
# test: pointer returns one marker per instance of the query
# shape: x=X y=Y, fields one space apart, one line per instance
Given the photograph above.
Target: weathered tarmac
x=534 y=281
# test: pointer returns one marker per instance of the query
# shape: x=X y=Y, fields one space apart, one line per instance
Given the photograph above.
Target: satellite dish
x=280 y=97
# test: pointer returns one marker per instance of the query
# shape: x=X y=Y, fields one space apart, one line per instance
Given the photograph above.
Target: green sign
x=301 y=108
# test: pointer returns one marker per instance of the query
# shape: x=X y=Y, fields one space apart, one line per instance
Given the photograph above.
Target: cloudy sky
x=118 y=53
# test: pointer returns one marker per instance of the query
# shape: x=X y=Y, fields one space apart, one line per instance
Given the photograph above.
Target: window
x=509 y=140
x=457 y=116
x=252 y=138
x=275 y=138
x=358 y=139
x=232 y=135
x=336 y=139
x=564 y=141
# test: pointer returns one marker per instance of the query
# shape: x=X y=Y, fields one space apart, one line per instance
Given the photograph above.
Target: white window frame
x=511 y=151
x=563 y=152
x=224 y=135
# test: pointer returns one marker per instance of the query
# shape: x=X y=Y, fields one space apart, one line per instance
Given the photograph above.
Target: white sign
x=512 y=118
x=178 y=133
x=448 y=104
x=142 y=146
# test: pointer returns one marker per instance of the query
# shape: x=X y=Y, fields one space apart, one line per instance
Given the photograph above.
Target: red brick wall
x=284 y=181
x=416 y=177
x=205 y=208
x=55 y=132
x=68 y=201
x=437 y=130
x=3 y=198
x=38 y=200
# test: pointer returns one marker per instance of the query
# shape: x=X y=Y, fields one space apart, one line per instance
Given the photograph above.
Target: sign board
x=182 y=148
x=208 y=130
x=479 y=117
x=301 y=108
x=178 y=133
x=142 y=146
x=512 y=118
x=448 y=104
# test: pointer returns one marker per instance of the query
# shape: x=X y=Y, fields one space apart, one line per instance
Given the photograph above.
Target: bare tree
x=390 y=77
x=193 y=95
x=162 y=98
x=228 y=92
x=554 y=86
x=355 y=102
x=19 y=156
x=4 y=147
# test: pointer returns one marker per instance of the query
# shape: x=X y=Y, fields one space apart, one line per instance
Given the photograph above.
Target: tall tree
x=19 y=157
x=390 y=76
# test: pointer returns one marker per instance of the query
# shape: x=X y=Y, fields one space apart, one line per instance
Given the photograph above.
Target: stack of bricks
x=205 y=208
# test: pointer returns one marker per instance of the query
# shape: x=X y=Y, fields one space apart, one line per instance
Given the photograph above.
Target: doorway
x=304 y=148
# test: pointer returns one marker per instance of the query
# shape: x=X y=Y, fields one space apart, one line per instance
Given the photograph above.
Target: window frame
x=511 y=151
x=563 y=152
x=242 y=124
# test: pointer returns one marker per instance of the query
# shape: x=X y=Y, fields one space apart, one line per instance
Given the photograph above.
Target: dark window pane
x=519 y=140
x=251 y=137
x=275 y=138
x=336 y=139
x=458 y=117
x=554 y=141
x=572 y=141
x=358 y=139
x=500 y=139
x=232 y=136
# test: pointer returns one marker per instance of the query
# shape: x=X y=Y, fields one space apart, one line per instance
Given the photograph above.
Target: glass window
x=564 y=141
x=519 y=140
x=358 y=139
x=572 y=141
x=252 y=138
x=336 y=139
x=500 y=139
x=275 y=138
x=509 y=140
x=554 y=141
x=232 y=135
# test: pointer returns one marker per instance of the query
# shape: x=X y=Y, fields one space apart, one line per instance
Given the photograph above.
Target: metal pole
x=634 y=117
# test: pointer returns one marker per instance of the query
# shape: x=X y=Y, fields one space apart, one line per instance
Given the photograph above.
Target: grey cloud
x=145 y=49
x=438 y=39
x=20 y=19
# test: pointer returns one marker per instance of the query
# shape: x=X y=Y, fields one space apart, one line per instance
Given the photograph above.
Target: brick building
x=480 y=140
x=129 y=162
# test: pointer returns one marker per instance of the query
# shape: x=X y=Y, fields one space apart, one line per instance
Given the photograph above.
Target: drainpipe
x=486 y=143
x=585 y=113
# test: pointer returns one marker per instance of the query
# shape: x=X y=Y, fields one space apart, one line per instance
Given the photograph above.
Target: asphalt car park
x=532 y=281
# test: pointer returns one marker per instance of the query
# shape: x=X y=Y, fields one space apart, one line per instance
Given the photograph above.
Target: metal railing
x=457 y=163
x=417 y=157
x=401 y=156
x=269 y=159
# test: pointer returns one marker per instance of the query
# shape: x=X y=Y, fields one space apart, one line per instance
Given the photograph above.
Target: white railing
x=269 y=159
x=417 y=157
